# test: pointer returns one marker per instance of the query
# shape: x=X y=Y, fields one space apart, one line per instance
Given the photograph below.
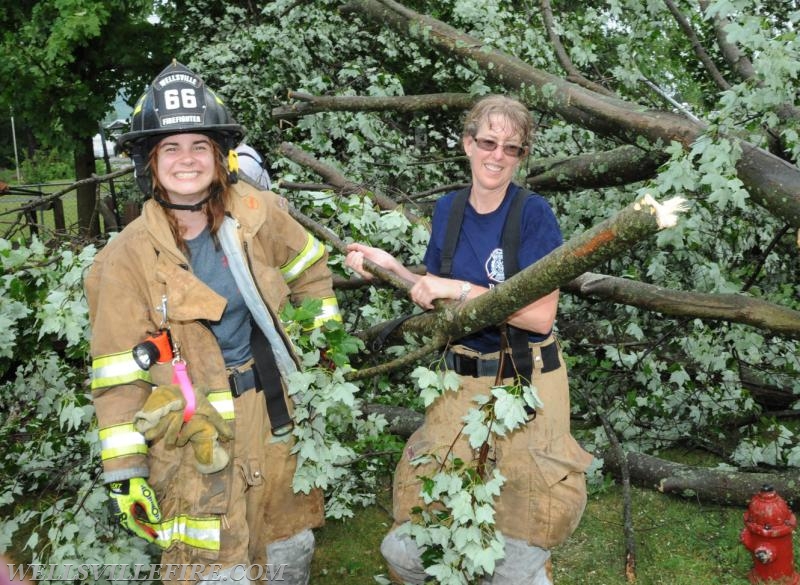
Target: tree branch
x=697 y=46
x=293 y=186
x=735 y=308
x=606 y=240
x=717 y=486
x=339 y=181
x=407 y=359
x=312 y=104
x=772 y=182
x=58 y=194
x=573 y=74
x=671 y=101
x=620 y=166
x=741 y=64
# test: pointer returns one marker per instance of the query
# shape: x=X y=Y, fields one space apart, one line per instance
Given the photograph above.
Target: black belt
x=477 y=367
x=242 y=381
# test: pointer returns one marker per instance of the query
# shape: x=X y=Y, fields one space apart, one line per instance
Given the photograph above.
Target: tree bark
x=620 y=166
x=771 y=182
x=714 y=486
x=402 y=421
x=311 y=104
x=88 y=216
x=729 y=307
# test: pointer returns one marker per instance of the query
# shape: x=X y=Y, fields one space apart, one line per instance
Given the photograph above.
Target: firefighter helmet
x=178 y=101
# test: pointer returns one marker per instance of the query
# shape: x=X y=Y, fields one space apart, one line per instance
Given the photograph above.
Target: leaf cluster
x=51 y=500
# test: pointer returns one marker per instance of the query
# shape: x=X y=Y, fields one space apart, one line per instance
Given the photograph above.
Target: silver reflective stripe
x=308 y=256
x=247 y=286
x=329 y=310
x=196 y=532
x=121 y=440
x=222 y=401
x=115 y=369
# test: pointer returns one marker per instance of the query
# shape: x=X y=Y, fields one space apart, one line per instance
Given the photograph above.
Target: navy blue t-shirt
x=478 y=257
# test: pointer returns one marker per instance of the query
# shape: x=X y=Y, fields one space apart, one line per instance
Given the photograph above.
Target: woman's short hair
x=511 y=109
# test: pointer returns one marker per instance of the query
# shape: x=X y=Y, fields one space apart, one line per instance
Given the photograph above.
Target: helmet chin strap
x=194 y=207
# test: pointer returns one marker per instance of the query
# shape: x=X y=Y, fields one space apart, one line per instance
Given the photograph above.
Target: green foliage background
x=661 y=382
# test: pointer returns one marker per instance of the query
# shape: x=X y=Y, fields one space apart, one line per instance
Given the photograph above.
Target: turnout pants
x=544 y=494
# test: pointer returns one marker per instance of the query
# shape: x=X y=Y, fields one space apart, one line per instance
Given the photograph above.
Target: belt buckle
x=233 y=383
x=467 y=365
x=283 y=430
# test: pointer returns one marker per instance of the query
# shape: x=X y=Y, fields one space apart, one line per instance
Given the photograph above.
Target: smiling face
x=185 y=166
x=493 y=169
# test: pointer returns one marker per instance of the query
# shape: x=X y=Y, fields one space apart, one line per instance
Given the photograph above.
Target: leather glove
x=162 y=417
x=133 y=501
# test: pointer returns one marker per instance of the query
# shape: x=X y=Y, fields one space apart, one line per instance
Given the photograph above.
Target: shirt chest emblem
x=494 y=266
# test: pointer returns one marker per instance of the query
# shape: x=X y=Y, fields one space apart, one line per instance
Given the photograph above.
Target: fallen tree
x=712 y=485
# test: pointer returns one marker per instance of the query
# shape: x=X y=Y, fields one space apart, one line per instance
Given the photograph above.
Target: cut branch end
x=666 y=213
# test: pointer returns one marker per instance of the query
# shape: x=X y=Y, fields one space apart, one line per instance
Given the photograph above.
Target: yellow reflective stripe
x=312 y=252
x=222 y=401
x=121 y=440
x=116 y=368
x=329 y=310
x=138 y=107
x=197 y=532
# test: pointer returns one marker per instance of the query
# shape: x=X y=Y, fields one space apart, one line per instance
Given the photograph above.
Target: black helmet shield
x=177 y=101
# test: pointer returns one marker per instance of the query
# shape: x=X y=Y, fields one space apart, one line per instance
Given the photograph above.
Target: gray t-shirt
x=210 y=265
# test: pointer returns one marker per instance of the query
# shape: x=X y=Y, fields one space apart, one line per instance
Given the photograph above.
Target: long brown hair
x=214 y=208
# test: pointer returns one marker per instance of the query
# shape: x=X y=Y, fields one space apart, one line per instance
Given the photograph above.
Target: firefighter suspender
x=517 y=338
x=511 y=238
x=269 y=379
x=453 y=231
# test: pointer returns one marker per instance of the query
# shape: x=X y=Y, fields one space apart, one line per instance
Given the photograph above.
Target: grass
x=348 y=551
x=11 y=224
x=678 y=542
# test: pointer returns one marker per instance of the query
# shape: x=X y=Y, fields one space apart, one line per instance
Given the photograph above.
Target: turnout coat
x=133 y=276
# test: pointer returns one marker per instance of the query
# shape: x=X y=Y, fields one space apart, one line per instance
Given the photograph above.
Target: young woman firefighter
x=544 y=494
x=189 y=356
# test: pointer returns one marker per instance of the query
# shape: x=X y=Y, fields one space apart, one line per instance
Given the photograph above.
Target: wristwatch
x=465 y=288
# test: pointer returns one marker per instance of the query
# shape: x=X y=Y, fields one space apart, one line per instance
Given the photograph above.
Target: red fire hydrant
x=767 y=534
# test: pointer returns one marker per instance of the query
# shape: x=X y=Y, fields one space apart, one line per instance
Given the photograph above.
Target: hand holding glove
x=162 y=417
x=133 y=501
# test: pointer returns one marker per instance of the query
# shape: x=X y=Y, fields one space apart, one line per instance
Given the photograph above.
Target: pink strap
x=181 y=377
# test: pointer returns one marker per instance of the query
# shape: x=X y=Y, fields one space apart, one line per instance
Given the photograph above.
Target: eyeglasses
x=490 y=145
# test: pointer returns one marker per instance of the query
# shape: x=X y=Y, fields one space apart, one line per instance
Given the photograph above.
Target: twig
x=627 y=514
x=406 y=360
x=58 y=194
